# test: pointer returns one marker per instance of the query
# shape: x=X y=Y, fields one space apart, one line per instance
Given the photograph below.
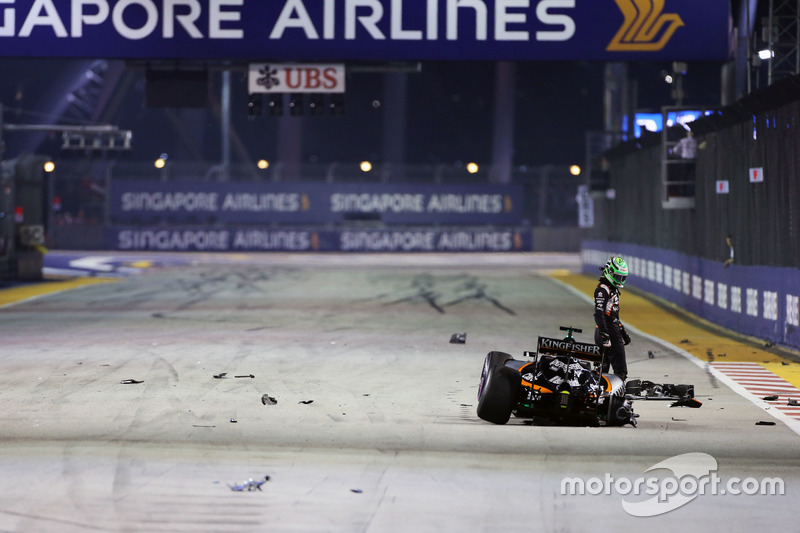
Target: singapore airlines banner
x=343 y=217
x=287 y=239
x=367 y=30
x=141 y=202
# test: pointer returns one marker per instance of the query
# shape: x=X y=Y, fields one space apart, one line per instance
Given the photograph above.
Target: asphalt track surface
x=374 y=428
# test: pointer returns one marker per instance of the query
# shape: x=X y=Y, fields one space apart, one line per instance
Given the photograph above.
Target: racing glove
x=625 y=337
x=605 y=339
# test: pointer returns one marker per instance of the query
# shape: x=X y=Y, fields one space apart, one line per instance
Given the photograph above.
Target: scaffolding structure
x=781 y=33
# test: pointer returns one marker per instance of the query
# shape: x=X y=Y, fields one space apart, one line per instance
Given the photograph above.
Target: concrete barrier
x=753 y=300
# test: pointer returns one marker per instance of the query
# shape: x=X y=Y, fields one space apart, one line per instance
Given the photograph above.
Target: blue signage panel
x=371 y=30
x=261 y=239
x=143 y=202
x=753 y=300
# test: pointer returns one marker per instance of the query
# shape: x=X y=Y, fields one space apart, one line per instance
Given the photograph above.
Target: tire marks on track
x=443 y=292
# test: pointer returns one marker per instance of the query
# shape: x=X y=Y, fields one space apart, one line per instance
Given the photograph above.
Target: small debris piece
x=678 y=419
x=458 y=338
x=793 y=403
x=268 y=400
x=770 y=398
x=250 y=485
x=687 y=402
x=247 y=376
x=466 y=405
x=784 y=363
x=764 y=423
x=306 y=402
x=234 y=421
x=130 y=382
x=223 y=375
x=685 y=341
x=650 y=354
x=357 y=491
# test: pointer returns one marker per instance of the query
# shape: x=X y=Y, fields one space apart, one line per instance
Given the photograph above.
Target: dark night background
x=450 y=112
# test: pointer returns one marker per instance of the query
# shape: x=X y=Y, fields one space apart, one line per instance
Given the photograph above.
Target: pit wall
x=758 y=301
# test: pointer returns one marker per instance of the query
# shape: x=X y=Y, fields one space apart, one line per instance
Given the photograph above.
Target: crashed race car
x=560 y=383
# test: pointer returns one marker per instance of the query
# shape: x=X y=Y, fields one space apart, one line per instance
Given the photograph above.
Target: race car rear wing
x=570 y=347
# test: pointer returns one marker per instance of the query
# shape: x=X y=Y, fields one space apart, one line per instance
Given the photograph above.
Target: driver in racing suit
x=610 y=334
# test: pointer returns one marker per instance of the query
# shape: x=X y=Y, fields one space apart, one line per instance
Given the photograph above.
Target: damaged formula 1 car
x=560 y=383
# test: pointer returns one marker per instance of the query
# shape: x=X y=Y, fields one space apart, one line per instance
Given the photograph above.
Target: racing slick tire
x=493 y=360
x=499 y=394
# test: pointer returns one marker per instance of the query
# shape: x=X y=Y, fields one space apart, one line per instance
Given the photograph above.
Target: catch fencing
x=733 y=257
x=747 y=193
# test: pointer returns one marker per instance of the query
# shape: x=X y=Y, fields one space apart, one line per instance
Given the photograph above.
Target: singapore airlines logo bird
x=645 y=28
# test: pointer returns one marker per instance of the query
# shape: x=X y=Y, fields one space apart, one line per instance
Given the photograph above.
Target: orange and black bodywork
x=559 y=383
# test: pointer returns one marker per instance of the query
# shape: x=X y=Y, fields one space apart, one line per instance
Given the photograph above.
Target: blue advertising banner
x=754 y=300
x=367 y=30
x=143 y=202
x=259 y=239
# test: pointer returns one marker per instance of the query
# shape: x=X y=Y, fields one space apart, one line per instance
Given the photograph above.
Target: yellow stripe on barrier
x=704 y=340
x=21 y=293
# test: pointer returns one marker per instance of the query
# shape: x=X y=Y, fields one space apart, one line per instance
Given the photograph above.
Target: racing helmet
x=616 y=271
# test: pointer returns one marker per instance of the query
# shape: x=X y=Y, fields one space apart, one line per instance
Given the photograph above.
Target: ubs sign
x=296 y=78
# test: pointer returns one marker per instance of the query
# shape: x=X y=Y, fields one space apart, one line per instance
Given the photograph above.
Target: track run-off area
x=141 y=390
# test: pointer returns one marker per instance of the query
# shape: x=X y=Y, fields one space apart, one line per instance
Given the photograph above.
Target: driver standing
x=610 y=334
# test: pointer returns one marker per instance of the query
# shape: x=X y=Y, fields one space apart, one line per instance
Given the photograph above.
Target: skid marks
x=207 y=288
x=441 y=292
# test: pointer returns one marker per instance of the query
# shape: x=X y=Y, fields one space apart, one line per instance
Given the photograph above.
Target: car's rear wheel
x=493 y=360
x=499 y=394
